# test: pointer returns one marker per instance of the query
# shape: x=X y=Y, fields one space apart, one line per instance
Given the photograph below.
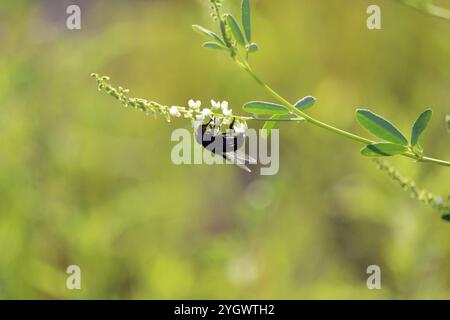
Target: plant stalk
x=246 y=67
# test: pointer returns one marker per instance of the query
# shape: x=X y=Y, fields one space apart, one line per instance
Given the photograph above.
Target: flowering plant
x=237 y=42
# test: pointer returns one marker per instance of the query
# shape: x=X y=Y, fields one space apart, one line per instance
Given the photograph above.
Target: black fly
x=223 y=144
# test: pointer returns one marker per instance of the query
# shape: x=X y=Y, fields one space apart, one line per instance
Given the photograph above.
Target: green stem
x=246 y=67
x=436 y=161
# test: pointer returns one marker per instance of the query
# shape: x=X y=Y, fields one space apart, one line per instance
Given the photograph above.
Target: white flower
x=224 y=105
x=215 y=104
x=240 y=126
x=206 y=112
x=200 y=117
x=194 y=104
x=227 y=112
x=174 y=111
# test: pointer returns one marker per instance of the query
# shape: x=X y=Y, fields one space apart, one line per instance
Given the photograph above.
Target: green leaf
x=253 y=47
x=261 y=107
x=305 y=103
x=208 y=34
x=447 y=119
x=420 y=126
x=383 y=149
x=269 y=125
x=235 y=29
x=246 y=21
x=213 y=45
x=380 y=127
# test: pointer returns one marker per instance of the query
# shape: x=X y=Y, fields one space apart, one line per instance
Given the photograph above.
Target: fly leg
x=232 y=124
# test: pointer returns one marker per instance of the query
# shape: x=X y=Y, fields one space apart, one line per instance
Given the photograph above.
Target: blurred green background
x=86 y=182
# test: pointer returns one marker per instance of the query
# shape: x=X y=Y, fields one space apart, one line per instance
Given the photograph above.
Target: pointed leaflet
x=383 y=149
x=213 y=45
x=246 y=21
x=269 y=125
x=380 y=127
x=420 y=126
x=235 y=29
x=208 y=34
x=262 y=107
x=305 y=103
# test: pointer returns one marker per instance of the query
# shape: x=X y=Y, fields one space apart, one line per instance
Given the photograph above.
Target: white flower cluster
x=175 y=111
x=220 y=112
x=223 y=106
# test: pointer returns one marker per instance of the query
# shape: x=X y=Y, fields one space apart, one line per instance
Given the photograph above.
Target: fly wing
x=233 y=158
x=232 y=142
x=242 y=156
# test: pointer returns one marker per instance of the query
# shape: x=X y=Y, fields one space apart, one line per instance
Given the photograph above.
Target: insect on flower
x=226 y=144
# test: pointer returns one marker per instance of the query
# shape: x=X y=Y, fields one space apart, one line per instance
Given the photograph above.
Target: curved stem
x=294 y=110
x=436 y=161
x=246 y=67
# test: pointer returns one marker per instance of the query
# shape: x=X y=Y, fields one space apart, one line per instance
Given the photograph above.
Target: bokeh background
x=84 y=181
